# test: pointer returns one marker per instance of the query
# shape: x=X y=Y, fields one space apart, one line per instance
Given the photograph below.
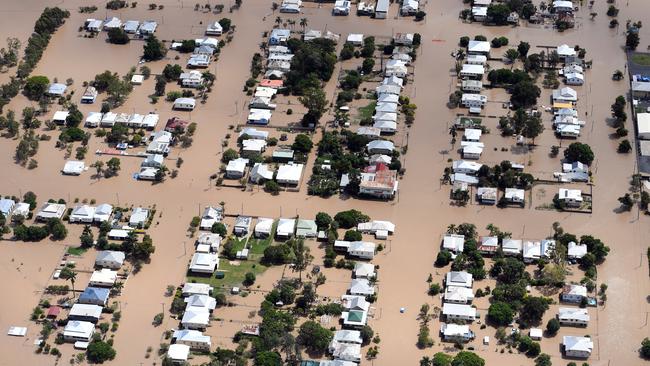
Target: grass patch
x=78 y=251
x=642 y=59
x=233 y=274
x=239 y=243
x=367 y=111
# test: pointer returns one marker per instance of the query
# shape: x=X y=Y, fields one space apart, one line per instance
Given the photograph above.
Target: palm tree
x=117 y=288
x=451 y=229
x=69 y=274
x=303 y=23
x=278 y=21
x=291 y=23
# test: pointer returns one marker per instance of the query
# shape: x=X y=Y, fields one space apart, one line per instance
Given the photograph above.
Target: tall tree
x=69 y=274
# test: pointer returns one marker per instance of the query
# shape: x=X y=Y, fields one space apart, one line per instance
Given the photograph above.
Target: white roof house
x=536 y=334
x=195 y=318
x=456 y=332
x=51 y=210
x=362 y=249
x=258 y=116
x=204 y=262
x=253 y=146
x=462 y=178
x=532 y=251
x=108 y=119
x=75 y=331
x=458 y=295
x=289 y=173
x=565 y=50
x=147 y=173
x=160 y=142
x=571 y=197
x=6 y=206
x=242 y=225
x=254 y=133
x=376 y=225
x=73 y=167
x=109 y=259
x=574 y=78
x=184 y=103
x=511 y=246
x=364 y=270
x=396 y=68
x=361 y=287
x=118 y=234
x=643 y=126
x=201 y=301
x=472 y=134
x=214 y=29
x=178 y=352
x=459 y=312
x=85 y=312
x=21 y=209
x=573 y=293
x=94 y=25
x=347 y=336
x=138 y=217
x=82 y=213
x=478 y=47
x=565 y=94
x=192 y=79
x=472 y=150
x=461 y=279
x=380 y=147
x=93 y=119
x=355 y=302
x=355 y=38
x=131 y=26
x=345 y=351
x=467 y=167
x=261 y=172
x=197 y=60
x=111 y=23
x=313 y=33
x=285 y=228
x=236 y=168
x=192 y=338
x=190 y=288
x=515 y=195
x=153 y=161
x=454 y=243
x=393 y=80
x=472 y=70
x=563 y=5
x=576 y=251
x=573 y=316
x=579 y=347
x=56 y=89
x=103 y=278
x=263 y=227
x=487 y=195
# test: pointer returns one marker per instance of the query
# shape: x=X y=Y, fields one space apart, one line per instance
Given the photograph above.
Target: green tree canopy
x=153 y=49
x=578 y=151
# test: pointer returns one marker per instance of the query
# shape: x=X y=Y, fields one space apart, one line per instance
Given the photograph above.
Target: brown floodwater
x=421 y=212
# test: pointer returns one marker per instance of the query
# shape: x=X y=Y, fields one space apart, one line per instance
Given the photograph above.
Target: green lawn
x=78 y=251
x=367 y=111
x=641 y=59
x=233 y=275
